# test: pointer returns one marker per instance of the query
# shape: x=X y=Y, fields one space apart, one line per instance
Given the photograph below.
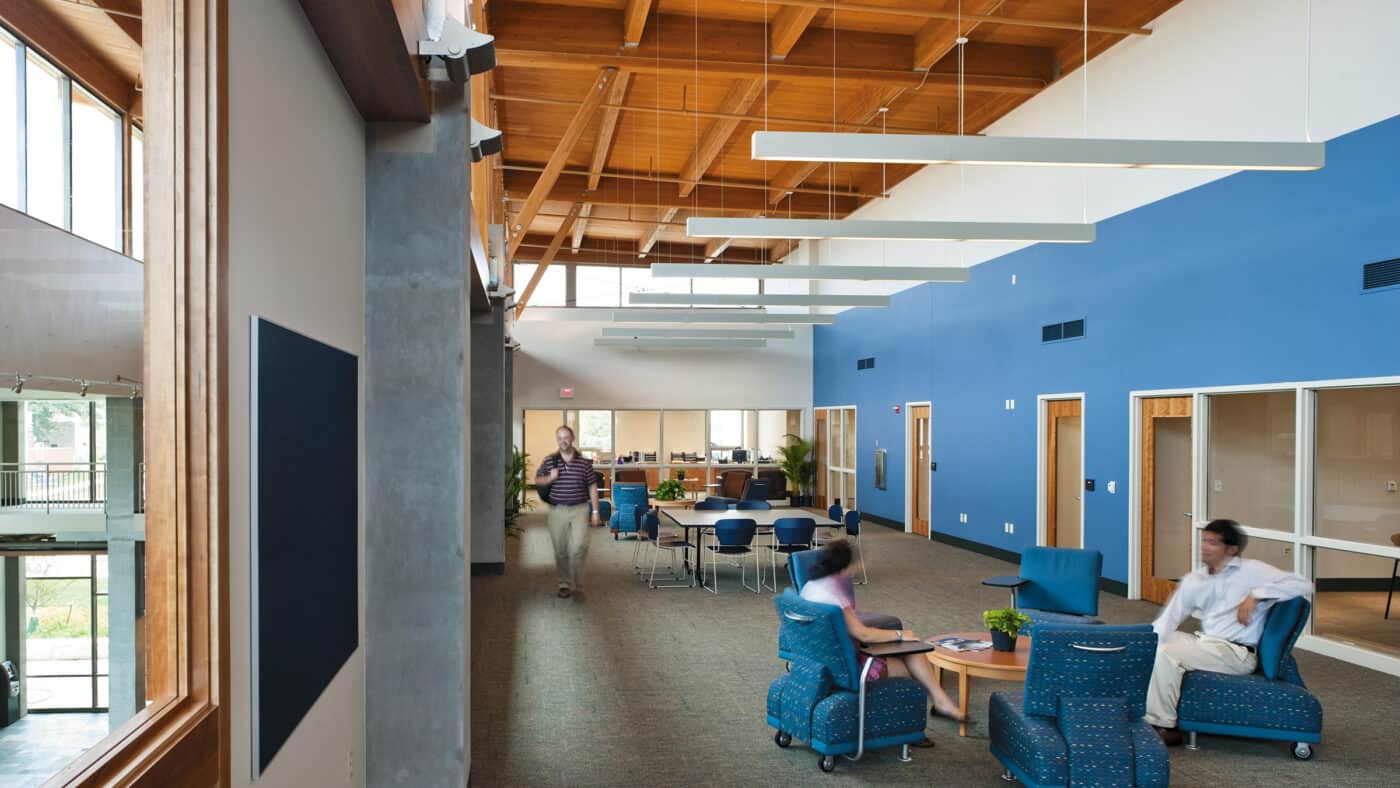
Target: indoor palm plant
x=515 y=489
x=799 y=466
x=1005 y=624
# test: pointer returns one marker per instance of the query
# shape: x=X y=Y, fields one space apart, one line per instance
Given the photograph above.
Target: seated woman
x=832 y=587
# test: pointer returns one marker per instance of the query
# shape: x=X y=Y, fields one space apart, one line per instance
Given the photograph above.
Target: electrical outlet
x=350 y=766
x=962 y=517
x=1011 y=528
x=1013 y=404
x=1218 y=486
x=1013 y=280
x=1112 y=487
x=1390 y=486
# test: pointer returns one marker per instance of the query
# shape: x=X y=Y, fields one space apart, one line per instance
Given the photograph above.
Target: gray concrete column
x=417 y=462
x=490 y=431
x=125 y=572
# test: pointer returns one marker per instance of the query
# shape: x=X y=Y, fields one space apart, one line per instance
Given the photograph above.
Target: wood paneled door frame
x=1047 y=406
x=914 y=474
x=1146 y=409
x=182 y=736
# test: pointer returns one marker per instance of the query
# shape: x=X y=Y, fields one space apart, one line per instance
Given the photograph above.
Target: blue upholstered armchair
x=825 y=700
x=1057 y=585
x=801 y=566
x=1271 y=703
x=1080 y=721
x=629 y=504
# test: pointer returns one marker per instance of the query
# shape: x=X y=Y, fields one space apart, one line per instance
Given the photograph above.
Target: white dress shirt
x=1217 y=596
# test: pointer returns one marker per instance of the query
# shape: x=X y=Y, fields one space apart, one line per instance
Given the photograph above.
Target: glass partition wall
x=836 y=457
x=1312 y=472
x=651 y=445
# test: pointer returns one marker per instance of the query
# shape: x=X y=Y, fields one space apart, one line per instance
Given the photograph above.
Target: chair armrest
x=896 y=649
x=1005 y=581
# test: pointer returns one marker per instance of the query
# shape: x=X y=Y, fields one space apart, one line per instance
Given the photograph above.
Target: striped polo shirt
x=575 y=478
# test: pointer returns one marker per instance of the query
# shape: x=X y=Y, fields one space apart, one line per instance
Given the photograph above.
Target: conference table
x=701 y=520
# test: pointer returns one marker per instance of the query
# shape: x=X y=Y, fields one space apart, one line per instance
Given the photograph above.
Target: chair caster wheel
x=782 y=739
x=1302 y=751
x=828 y=763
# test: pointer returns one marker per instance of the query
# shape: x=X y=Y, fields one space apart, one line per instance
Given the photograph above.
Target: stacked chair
x=824 y=699
x=1271 y=703
x=1080 y=721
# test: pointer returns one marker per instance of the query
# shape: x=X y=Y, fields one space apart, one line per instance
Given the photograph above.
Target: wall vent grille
x=865 y=363
x=1383 y=274
x=1055 y=332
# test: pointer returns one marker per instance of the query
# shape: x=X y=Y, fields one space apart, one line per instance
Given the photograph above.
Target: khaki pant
x=568 y=529
x=1183 y=651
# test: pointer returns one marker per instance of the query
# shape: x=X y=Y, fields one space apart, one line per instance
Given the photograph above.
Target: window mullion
x=66 y=102
x=22 y=117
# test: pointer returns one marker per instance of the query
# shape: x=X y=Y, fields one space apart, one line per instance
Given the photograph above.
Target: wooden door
x=820 y=443
x=920 y=456
x=1166 y=495
x=1064 y=436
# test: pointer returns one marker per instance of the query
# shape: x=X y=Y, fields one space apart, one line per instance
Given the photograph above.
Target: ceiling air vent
x=1383 y=274
x=865 y=363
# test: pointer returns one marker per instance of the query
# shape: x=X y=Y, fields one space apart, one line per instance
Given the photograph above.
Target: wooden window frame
x=182 y=738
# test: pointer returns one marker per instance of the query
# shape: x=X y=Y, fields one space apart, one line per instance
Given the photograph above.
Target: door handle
x=1185 y=514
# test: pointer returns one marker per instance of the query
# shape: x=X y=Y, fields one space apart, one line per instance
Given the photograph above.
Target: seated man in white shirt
x=1233 y=594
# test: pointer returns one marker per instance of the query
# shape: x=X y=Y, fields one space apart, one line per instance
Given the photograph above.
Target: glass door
x=65 y=633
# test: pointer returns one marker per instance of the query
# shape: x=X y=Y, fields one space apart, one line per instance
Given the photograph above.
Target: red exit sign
x=566 y=393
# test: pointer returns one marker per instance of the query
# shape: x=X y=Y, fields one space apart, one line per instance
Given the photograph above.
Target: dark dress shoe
x=1169 y=736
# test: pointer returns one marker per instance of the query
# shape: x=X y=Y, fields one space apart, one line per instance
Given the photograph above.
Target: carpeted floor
x=639 y=687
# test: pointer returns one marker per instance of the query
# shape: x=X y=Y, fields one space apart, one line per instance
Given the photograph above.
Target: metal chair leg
x=1191 y=741
x=1393 y=573
x=864 y=578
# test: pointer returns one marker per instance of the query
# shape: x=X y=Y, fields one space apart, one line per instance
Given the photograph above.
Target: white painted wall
x=557 y=353
x=296 y=257
x=68 y=307
x=1211 y=69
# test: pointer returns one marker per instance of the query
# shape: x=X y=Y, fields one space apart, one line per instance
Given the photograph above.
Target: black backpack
x=543 y=489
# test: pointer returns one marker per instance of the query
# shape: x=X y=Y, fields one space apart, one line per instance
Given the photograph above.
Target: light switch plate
x=1112 y=488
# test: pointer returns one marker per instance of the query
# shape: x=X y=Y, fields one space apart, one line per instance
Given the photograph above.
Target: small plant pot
x=1002 y=641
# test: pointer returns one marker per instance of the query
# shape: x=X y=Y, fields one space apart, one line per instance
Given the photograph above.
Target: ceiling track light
x=18 y=388
x=485 y=141
x=759 y=299
x=702 y=315
x=859 y=273
x=1036 y=151
x=82 y=388
x=887 y=230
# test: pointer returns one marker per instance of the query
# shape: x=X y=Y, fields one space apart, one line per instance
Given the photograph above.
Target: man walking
x=573 y=495
x=1233 y=594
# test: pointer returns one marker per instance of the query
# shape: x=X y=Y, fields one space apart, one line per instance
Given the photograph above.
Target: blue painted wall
x=1251 y=279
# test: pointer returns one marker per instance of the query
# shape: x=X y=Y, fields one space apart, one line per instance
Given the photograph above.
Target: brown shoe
x=564 y=593
x=1169 y=736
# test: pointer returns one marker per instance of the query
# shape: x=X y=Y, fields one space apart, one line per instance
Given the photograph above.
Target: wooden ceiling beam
x=580 y=227
x=923 y=12
x=568 y=188
x=548 y=257
x=602 y=147
x=741 y=97
x=544 y=185
x=938 y=37
x=787 y=26
x=50 y=37
x=626 y=252
x=125 y=14
x=563 y=38
x=634 y=21
x=749 y=185
x=373 y=47
x=649 y=238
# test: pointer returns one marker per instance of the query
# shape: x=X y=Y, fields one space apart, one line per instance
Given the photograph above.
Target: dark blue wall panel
x=1253 y=278
x=306 y=471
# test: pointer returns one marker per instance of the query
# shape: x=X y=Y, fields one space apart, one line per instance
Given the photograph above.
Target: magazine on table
x=961 y=644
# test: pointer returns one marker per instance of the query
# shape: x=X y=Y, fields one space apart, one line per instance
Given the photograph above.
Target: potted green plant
x=515 y=490
x=1005 y=624
x=799 y=466
x=670 y=490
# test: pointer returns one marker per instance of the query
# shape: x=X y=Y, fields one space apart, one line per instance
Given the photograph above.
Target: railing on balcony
x=48 y=487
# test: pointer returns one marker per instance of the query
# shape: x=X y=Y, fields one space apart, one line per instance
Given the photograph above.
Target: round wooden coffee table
x=987 y=664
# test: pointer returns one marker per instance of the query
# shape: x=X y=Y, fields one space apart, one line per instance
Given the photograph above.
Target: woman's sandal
x=934 y=712
x=927 y=743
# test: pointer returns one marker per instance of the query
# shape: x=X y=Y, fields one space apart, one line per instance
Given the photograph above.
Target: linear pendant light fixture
x=703 y=315
x=700 y=332
x=678 y=343
x=858 y=273
x=1036 y=151
x=887 y=230
x=758 y=299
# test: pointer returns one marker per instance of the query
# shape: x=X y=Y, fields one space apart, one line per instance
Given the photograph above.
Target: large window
x=640 y=280
x=594 y=429
x=61 y=150
x=9 y=123
x=138 y=194
x=724 y=286
x=1251 y=459
x=97 y=171
x=45 y=173
x=549 y=291
x=1358 y=465
x=65 y=632
x=596 y=285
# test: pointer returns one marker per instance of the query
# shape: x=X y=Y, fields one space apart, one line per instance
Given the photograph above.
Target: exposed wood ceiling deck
x=677 y=87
